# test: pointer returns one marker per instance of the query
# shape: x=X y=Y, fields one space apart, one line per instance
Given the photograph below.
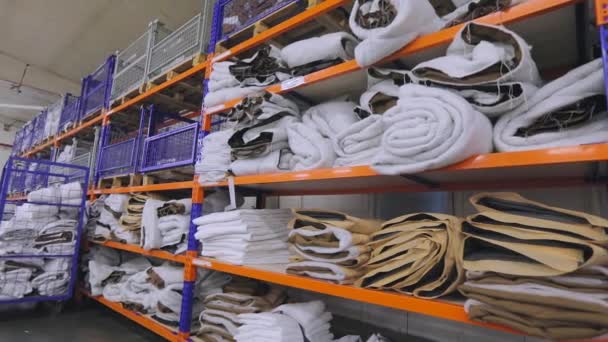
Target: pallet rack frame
x=348 y=179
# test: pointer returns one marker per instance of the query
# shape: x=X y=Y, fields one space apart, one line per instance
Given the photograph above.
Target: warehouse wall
x=6 y=137
x=386 y=206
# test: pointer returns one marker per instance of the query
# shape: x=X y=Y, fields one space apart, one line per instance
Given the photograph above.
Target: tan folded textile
x=329 y=237
x=130 y=222
x=238 y=303
x=321 y=218
x=519 y=249
x=416 y=254
x=214 y=329
x=354 y=257
x=557 y=330
x=511 y=207
x=212 y=337
x=324 y=271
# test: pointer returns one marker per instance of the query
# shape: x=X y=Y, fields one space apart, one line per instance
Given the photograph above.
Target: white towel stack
x=108 y=226
x=245 y=236
x=287 y=323
x=215 y=157
x=166 y=231
x=223 y=86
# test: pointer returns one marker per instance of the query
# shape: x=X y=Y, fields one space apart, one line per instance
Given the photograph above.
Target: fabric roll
x=387 y=26
x=265 y=67
x=360 y=143
x=331 y=118
x=568 y=111
x=379 y=97
x=325 y=271
x=226 y=94
x=430 y=128
x=310 y=149
x=321 y=218
x=337 y=46
x=416 y=254
x=266 y=136
x=273 y=162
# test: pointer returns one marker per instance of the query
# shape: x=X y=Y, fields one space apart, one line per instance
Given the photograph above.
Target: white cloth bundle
x=165 y=275
x=360 y=143
x=430 y=128
x=47 y=195
x=29 y=212
x=215 y=157
x=274 y=162
x=385 y=88
x=19 y=229
x=221 y=77
x=582 y=83
x=173 y=229
x=224 y=95
x=151 y=237
x=275 y=127
x=117 y=203
x=246 y=215
x=414 y=17
x=330 y=118
x=71 y=193
x=51 y=283
x=327 y=47
x=311 y=150
x=15 y=283
x=59 y=226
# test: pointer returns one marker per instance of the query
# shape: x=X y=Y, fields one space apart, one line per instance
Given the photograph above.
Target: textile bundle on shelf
x=165 y=224
x=245 y=236
x=215 y=157
x=387 y=26
x=490 y=66
x=570 y=110
x=430 y=128
x=416 y=254
x=329 y=245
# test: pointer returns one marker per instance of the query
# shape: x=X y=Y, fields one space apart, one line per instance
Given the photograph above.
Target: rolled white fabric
x=327 y=47
x=578 y=84
x=386 y=87
x=224 y=95
x=414 y=17
x=215 y=157
x=360 y=143
x=151 y=236
x=430 y=128
x=48 y=195
x=273 y=162
x=310 y=149
x=330 y=118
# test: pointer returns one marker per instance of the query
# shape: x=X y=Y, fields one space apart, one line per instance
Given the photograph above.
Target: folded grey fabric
x=490 y=66
x=570 y=110
x=516 y=236
x=265 y=67
x=309 y=55
x=416 y=254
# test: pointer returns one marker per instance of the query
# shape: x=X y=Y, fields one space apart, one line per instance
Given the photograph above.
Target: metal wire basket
x=96 y=89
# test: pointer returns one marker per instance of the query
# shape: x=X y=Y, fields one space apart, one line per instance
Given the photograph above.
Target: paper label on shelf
x=215 y=108
x=221 y=56
x=292 y=83
x=232 y=193
x=202 y=263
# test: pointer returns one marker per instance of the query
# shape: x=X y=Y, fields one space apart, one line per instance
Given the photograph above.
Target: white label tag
x=215 y=108
x=221 y=56
x=292 y=83
x=202 y=263
x=232 y=192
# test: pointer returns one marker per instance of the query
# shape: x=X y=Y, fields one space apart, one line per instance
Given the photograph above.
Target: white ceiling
x=63 y=40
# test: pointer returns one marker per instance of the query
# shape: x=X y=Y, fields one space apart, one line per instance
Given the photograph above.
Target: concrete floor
x=92 y=323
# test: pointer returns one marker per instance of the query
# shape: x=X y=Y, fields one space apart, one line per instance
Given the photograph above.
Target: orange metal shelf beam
x=146 y=188
x=138 y=250
x=515 y=13
x=435 y=308
x=560 y=155
x=144 y=321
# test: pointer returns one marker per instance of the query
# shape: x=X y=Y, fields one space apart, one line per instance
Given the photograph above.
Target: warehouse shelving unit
x=566 y=166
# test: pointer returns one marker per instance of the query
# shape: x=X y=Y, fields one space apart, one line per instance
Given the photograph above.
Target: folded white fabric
x=70 y=192
x=47 y=195
x=165 y=275
x=51 y=283
x=360 y=143
x=151 y=237
x=221 y=77
x=311 y=150
x=117 y=203
x=20 y=229
x=59 y=226
x=382 y=37
x=273 y=162
x=15 y=283
x=215 y=157
x=226 y=94
x=562 y=113
x=327 y=47
x=251 y=215
x=331 y=118
x=29 y=212
x=430 y=128
x=312 y=317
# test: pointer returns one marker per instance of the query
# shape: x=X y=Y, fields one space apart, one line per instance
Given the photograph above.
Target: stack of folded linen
x=108 y=280
x=309 y=55
x=166 y=224
x=16 y=275
x=490 y=66
x=93 y=213
x=215 y=157
x=296 y=322
x=57 y=237
x=103 y=259
x=430 y=128
x=131 y=218
x=387 y=26
x=233 y=80
x=245 y=236
x=535 y=268
x=570 y=110
x=260 y=141
x=416 y=254
x=329 y=245
x=54 y=279
x=115 y=206
x=219 y=320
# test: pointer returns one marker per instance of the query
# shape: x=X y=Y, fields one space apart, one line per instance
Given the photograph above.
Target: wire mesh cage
x=171 y=141
x=85 y=152
x=39 y=233
x=53 y=118
x=181 y=45
x=120 y=149
x=16 y=150
x=231 y=16
x=28 y=135
x=70 y=113
x=132 y=62
x=39 y=124
x=96 y=88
